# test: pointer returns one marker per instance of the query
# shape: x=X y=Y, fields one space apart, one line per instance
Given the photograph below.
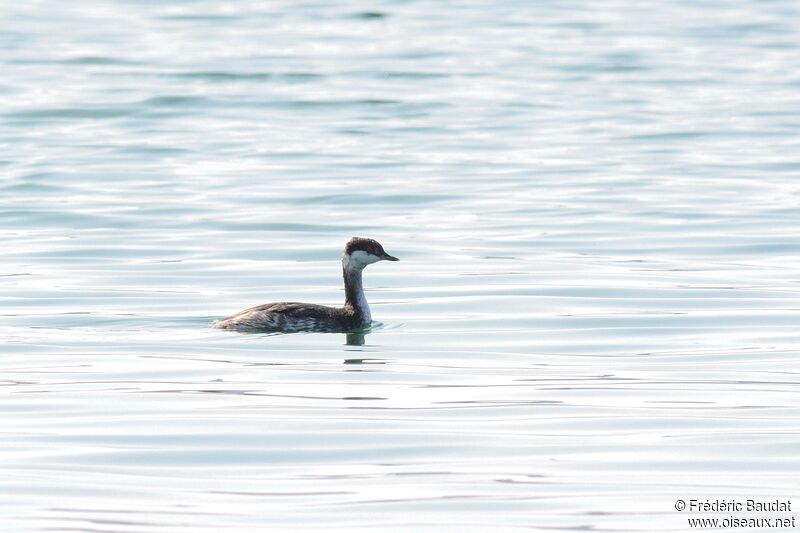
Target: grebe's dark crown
x=369 y=246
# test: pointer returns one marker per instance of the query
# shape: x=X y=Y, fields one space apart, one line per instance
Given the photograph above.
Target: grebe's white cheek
x=359 y=259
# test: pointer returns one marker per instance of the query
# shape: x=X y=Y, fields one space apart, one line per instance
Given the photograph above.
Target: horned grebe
x=291 y=316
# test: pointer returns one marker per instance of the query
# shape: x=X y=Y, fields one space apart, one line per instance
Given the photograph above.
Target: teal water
x=597 y=211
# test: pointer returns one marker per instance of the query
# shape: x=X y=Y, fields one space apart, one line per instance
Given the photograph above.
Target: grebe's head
x=360 y=252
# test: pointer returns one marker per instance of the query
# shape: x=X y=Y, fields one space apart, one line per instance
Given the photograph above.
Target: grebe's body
x=293 y=316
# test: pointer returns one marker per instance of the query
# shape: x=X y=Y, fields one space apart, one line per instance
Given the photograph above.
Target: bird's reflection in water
x=365 y=361
x=357 y=338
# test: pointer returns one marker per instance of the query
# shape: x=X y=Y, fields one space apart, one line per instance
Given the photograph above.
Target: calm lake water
x=597 y=210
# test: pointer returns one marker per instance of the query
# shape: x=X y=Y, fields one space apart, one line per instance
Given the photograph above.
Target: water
x=596 y=207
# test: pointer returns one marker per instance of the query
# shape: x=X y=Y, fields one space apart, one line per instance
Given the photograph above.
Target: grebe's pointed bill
x=387 y=257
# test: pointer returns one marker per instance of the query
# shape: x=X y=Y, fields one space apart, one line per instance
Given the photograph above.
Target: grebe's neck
x=354 y=291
